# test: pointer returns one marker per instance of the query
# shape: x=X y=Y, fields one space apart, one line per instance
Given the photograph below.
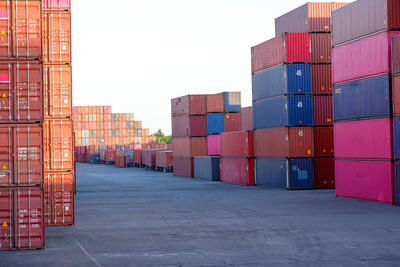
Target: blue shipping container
x=271 y=172
x=366 y=98
x=301 y=174
x=130 y=154
x=282 y=80
x=207 y=168
x=396 y=137
x=397 y=182
x=232 y=101
x=281 y=111
x=215 y=123
x=94 y=158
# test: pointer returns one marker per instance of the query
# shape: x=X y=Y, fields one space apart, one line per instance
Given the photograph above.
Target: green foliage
x=161 y=138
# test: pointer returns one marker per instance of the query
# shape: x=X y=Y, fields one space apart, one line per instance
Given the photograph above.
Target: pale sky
x=138 y=54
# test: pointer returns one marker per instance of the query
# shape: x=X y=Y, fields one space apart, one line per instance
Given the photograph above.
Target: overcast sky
x=138 y=54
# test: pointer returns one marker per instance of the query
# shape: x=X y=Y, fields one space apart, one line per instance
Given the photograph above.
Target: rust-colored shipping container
x=21 y=155
x=324 y=173
x=21 y=92
x=323 y=142
x=189 y=126
x=189 y=105
x=183 y=167
x=215 y=103
x=137 y=157
x=323 y=110
x=57 y=37
x=119 y=159
x=57 y=93
x=237 y=171
x=164 y=159
x=396 y=55
x=294 y=142
x=232 y=122
x=322 y=79
x=321 y=48
x=396 y=96
x=22 y=218
x=59 y=198
x=246 y=119
x=237 y=144
x=189 y=147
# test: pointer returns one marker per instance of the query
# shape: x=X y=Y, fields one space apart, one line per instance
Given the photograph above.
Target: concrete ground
x=130 y=217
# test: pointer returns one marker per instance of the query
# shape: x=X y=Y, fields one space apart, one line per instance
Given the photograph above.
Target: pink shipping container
x=56 y=4
x=232 y=122
x=366 y=139
x=214 y=145
x=396 y=55
x=363 y=58
x=77 y=110
x=323 y=110
x=246 y=119
x=237 y=144
x=189 y=126
x=189 y=147
x=189 y=105
x=164 y=159
x=366 y=180
x=107 y=109
x=183 y=167
x=237 y=171
x=137 y=146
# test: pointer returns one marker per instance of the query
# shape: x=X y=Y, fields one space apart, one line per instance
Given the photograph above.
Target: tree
x=161 y=138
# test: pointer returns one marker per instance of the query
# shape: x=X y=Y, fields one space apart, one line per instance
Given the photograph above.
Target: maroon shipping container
x=396 y=96
x=237 y=171
x=232 y=122
x=21 y=154
x=396 y=55
x=110 y=155
x=137 y=157
x=22 y=218
x=21 y=92
x=323 y=110
x=183 y=167
x=321 y=48
x=189 y=147
x=246 y=119
x=237 y=144
x=149 y=157
x=362 y=18
x=119 y=159
x=189 y=126
x=164 y=159
x=323 y=142
x=294 y=142
x=324 y=173
x=322 y=79
x=189 y=105
x=215 y=103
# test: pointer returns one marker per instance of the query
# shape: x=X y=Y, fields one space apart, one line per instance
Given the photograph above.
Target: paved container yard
x=133 y=217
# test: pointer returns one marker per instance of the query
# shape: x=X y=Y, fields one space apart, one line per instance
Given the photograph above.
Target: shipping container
x=324 y=173
x=397 y=182
x=189 y=105
x=322 y=79
x=246 y=119
x=110 y=157
x=164 y=159
x=232 y=122
x=189 y=147
x=237 y=144
x=22 y=218
x=296 y=142
x=280 y=111
x=396 y=55
x=363 y=58
x=215 y=103
x=215 y=123
x=396 y=95
x=207 y=168
x=237 y=171
x=232 y=101
x=137 y=157
x=21 y=92
x=365 y=180
x=323 y=142
x=323 y=110
x=183 y=167
x=271 y=172
x=213 y=145
x=56 y=5
x=363 y=18
x=321 y=49
x=189 y=126
x=21 y=155
x=94 y=158
x=396 y=137
x=366 y=139
x=300 y=174
x=282 y=80
x=365 y=98
x=57 y=37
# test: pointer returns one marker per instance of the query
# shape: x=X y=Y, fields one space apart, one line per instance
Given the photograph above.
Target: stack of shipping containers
x=362 y=75
x=396 y=111
x=21 y=126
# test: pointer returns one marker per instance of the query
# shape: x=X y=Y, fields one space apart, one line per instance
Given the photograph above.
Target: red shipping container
x=324 y=146
x=22 y=218
x=246 y=119
x=232 y=122
x=189 y=105
x=323 y=110
x=286 y=48
x=137 y=157
x=396 y=55
x=189 y=147
x=149 y=157
x=237 y=144
x=110 y=155
x=215 y=103
x=119 y=159
x=396 y=96
x=321 y=49
x=237 y=171
x=164 y=159
x=56 y=4
x=189 y=126
x=59 y=198
x=21 y=92
x=21 y=155
x=57 y=37
x=183 y=167
x=324 y=173
x=294 y=142
x=322 y=79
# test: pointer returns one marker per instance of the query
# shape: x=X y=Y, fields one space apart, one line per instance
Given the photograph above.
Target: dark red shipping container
x=396 y=55
x=164 y=159
x=21 y=154
x=137 y=157
x=324 y=173
x=322 y=79
x=237 y=144
x=237 y=171
x=189 y=126
x=189 y=105
x=324 y=146
x=189 y=147
x=22 y=218
x=246 y=119
x=232 y=122
x=110 y=155
x=215 y=103
x=396 y=96
x=149 y=157
x=321 y=48
x=119 y=159
x=323 y=110
x=183 y=167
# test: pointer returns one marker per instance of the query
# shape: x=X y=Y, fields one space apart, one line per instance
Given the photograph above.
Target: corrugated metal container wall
x=368 y=139
x=323 y=142
x=183 y=167
x=323 y=110
x=300 y=174
x=189 y=105
x=354 y=60
x=232 y=101
x=232 y=122
x=207 y=168
x=324 y=173
x=271 y=172
x=57 y=37
x=189 y=147
x=365 y=17
x=237 y=144
x=322 y=79
x=215 y=103
x=137 y=157
x=189 y=126
x=281 y=80
x=397 y=182
x=213 y=144
x=56 y=4
x=396 y=55
x=22 y=218
x=215 y=123
x=321 y=49
x=396 y=137
x=396 y=96
x=164 y=159
x=246 y=119
x=365 y=98
x=237 y=171
x=147 y=157
x=366 y=180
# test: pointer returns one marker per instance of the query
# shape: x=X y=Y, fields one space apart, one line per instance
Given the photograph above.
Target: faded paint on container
x=368 y=139
x=365 y=180
x=232 y=122
x=237 y=144
x=215 y=123
x=323 y=110
x=213 y=144
x=183 y=167
x=246 y=119
x=57 y=37
x=56 y=4
x=164 y=159
x=189 y=147
x=396 y=55
x=207 y=168
x=324 y=173
x=237 y=171
x=323 y=142
x=232 y=101
x=215 y=103
x=189 y=126
x=396 y=96
x=322 y=79
x=189 y=105
x=271 y=172
x=300 y=174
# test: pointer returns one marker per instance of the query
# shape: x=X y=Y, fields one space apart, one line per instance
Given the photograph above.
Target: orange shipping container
x=56 y=37
x=215 y=103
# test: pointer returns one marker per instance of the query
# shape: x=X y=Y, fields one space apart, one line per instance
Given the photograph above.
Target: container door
x=6 y=156
x=63 y=198
x=6 y=219
x=5 y=29
x=6 y=92
x=57 y=41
